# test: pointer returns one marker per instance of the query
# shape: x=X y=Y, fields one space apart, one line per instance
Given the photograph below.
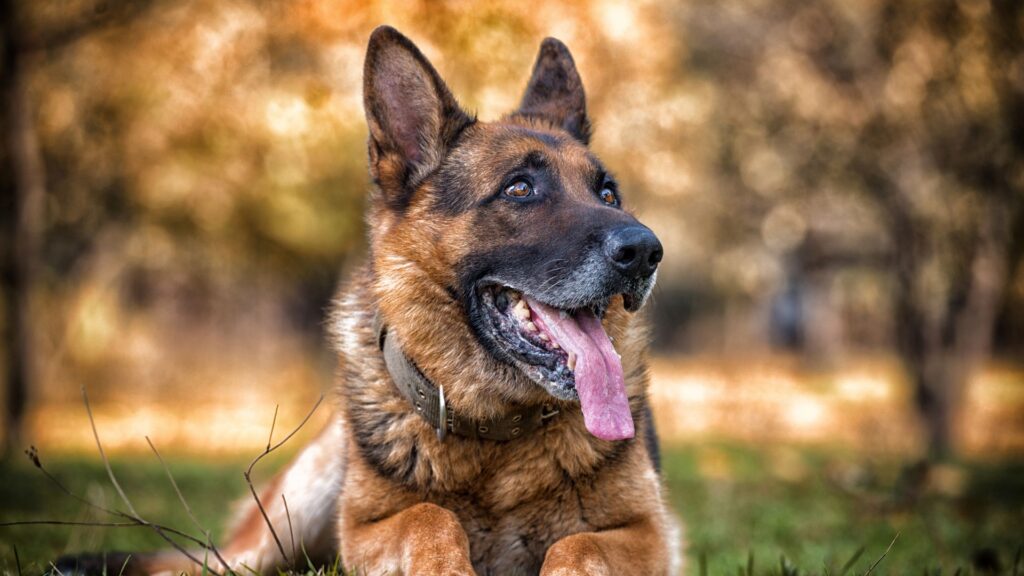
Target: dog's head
x=502 y=253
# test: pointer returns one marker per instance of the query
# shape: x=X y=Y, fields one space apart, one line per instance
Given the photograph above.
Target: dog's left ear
x=412 y=115
x=555 y=92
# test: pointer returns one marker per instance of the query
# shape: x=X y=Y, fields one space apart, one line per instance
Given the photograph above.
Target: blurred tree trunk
x=942 y=351
x=26 y=180
x=944 y=343
x=24 y=227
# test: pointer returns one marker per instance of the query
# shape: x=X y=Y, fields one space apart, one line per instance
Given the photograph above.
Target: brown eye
x=519 y=189
x=609 y=197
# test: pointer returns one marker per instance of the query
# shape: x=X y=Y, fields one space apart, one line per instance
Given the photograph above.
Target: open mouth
x=567 y=352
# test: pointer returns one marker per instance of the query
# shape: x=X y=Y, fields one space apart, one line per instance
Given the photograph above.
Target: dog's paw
x=441 y=563
x=438 y=544
x=443 y=569
x=575 y=555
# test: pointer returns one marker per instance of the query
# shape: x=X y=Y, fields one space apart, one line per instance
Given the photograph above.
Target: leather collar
x=429 y=402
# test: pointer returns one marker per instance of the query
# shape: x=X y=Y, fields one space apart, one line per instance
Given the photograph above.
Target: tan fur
x=556 y=502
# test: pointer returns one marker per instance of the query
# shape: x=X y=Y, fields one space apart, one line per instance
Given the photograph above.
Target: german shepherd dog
x=492 y=415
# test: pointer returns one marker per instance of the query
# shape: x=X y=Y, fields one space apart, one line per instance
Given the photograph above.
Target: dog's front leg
x=422 y=540
x=638 y=548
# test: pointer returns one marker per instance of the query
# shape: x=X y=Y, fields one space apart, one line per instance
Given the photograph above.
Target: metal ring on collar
x=442 y=415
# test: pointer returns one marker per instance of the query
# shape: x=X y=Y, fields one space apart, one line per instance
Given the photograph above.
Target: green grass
x=743 y=507
x=817 y=508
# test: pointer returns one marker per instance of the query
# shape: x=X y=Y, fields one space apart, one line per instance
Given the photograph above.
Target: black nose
x=634 y=250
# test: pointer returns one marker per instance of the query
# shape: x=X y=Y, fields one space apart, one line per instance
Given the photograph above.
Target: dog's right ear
x=412 y=115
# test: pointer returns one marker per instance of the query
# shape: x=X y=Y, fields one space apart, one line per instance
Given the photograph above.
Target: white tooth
x=572 y=361
x=556 y=346
x=521 y=311
x=531 y=326
x=544 y=337
x=563 y=314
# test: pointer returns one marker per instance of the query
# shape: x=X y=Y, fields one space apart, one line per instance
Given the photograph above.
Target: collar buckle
x=442 y=415
x=548 y=411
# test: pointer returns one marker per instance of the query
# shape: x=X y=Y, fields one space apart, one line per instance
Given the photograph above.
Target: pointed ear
x=410 y=112
x=555 y=92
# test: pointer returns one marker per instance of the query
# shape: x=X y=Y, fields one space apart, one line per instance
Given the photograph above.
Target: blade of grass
x=882 y=557
x=124 y=565
x=853 y=559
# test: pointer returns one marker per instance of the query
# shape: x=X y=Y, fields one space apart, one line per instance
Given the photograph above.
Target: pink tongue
x=599 y=380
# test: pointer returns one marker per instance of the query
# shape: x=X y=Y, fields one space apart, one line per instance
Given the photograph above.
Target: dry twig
x=209 y=540
x=72 y=523
x=291 y=532
x=132 y=518
x=270 y=448
x=33 y=456
x=160 y=531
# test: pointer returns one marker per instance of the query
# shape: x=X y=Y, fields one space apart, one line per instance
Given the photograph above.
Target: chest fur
x=514 y=500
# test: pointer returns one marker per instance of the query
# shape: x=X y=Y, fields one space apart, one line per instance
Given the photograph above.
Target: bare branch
x=33 y=455
x=181 y=497
x=72 y=523
x=272 y=424
x=106 y=463
x=290 y=434
x=158 y=529
x=288 y=515
x=134 y=520
x=248 y=474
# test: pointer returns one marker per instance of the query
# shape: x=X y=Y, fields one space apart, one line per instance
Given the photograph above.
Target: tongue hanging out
x=598 y=371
